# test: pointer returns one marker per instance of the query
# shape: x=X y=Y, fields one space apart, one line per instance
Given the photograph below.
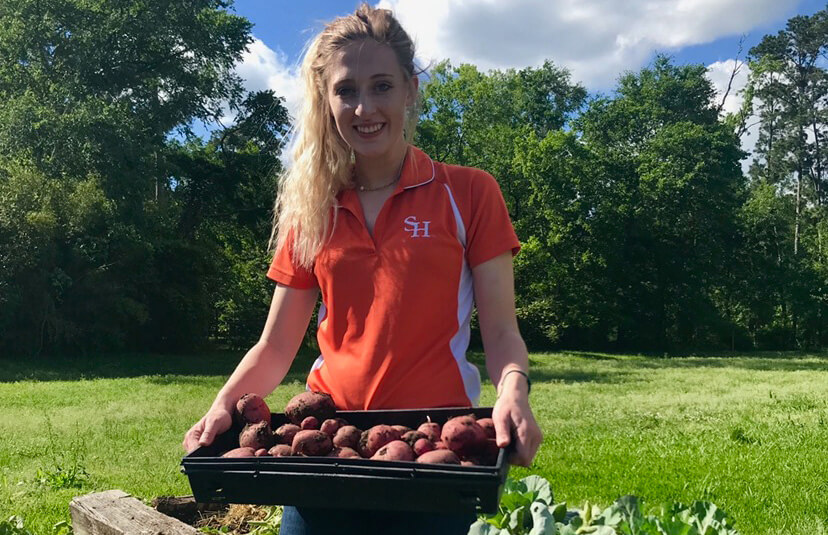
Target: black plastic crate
x=348 y=483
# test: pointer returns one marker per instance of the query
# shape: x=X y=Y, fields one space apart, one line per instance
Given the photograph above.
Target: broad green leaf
x=514 y=485
x=516 y=520
x=558 y=511
x=512 y=501
x=541 y=489
x=543 y=523
x=611 y=516
x=670 y=526
x=566 y=529
x=482 y=528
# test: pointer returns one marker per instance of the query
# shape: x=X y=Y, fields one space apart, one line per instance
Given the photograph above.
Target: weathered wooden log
x=185 y=508
x=115 y=512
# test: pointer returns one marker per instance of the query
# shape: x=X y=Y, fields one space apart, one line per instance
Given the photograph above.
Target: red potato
x=488 y=426
x=240 y=452
x=375 y=438
x=310 y=423
x=257 y=436
x=344 y=453
x=280 y=450
x=250 y=409
x=412 y=437
x=402 y=429
x=285 y=433
x=396 y=450
x=347 y=437
x=423 y=445
x=317 y=404
x=440 y=445
x=468 y=462
x=311 y=443
x=261 y=452
x=463 y=435
x=430 y=429
x=439 y=457
x=488 y=452
x=332 y=425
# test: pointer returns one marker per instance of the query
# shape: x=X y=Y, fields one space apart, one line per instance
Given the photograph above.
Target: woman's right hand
x=215 y=422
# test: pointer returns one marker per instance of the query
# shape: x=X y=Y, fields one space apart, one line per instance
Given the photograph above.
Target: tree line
x=122 y=229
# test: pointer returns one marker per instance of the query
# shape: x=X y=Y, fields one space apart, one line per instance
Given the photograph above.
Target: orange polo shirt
x=394 y=321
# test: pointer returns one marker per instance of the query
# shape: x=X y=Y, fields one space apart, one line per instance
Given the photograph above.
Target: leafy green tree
x=673 y=191
x=788 y=89
x=92 y=90
x=225 y=190
x=480 y=119
x=473 y=118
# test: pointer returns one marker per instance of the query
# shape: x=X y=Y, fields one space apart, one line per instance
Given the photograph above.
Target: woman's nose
x=365 y=106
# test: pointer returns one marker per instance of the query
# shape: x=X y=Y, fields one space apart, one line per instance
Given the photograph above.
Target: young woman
x=401 y=247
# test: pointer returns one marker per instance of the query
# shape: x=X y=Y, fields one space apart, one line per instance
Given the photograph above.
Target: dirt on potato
x=317 y=404
x=250 y=409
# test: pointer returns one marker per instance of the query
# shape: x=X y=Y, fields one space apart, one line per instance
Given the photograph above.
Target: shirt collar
x=418 y=170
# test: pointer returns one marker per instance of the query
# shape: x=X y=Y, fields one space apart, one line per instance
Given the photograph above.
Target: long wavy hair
x=322 y=165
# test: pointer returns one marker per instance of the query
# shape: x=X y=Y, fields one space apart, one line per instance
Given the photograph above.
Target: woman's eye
x=383 y=86
x=344 y=91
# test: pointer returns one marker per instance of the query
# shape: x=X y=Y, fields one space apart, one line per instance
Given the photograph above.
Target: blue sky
x=286 y=26
x=597 y=40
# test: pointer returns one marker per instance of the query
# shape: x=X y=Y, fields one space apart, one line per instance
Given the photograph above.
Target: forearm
x=262 y=369
x=506 y=351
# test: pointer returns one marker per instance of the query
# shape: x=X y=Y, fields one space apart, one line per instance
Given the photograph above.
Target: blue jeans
x=306 y=521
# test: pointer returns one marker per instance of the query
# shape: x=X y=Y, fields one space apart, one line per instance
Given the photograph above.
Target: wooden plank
x=115 y=512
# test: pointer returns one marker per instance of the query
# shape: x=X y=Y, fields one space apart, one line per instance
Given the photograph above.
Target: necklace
x=377 y=188
x=396 y=179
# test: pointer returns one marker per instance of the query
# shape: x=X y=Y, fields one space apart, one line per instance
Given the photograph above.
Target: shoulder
x=471 y=180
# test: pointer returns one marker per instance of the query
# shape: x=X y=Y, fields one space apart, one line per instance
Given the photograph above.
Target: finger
x=523 y=455
x=531 y=442
x=191 y=440
x=208 y=434
x=503 y=430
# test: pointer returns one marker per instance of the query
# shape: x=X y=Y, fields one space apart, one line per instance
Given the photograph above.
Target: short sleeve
x=490 y=232
x=286 y=272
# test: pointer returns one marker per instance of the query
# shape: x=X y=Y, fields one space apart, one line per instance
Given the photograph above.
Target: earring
x=353 y=157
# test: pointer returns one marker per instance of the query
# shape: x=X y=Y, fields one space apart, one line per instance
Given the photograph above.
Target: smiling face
x=368 y=94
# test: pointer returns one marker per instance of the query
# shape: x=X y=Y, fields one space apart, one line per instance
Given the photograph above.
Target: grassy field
x=749 y=433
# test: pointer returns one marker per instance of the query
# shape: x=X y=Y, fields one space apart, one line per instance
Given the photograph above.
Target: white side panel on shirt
x=465 y=304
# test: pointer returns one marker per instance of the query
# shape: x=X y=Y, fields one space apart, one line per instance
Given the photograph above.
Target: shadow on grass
x=758 y=361
x=161 y=367
x=543 y=374
x=745 y=363
x=613 y=368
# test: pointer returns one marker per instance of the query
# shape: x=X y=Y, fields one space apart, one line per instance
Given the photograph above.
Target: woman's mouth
x=369 y=130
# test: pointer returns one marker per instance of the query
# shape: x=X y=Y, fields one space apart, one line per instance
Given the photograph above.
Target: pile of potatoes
x=314 y=430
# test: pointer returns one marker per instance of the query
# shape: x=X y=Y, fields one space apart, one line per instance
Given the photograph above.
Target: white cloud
x=719 y=74
x=264 y=68
x=596 y=39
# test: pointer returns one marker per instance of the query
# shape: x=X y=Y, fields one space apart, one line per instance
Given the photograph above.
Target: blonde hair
x=322 y=165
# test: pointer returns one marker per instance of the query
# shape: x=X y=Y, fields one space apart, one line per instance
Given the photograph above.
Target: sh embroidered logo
x=418 y=229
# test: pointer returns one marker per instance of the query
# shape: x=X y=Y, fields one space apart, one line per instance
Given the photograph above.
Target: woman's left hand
x=514 y=421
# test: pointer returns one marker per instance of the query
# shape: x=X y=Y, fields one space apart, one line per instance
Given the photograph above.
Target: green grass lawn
x=749 y=433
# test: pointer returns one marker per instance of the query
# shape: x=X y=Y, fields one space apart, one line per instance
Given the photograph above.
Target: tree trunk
x=818 y=161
